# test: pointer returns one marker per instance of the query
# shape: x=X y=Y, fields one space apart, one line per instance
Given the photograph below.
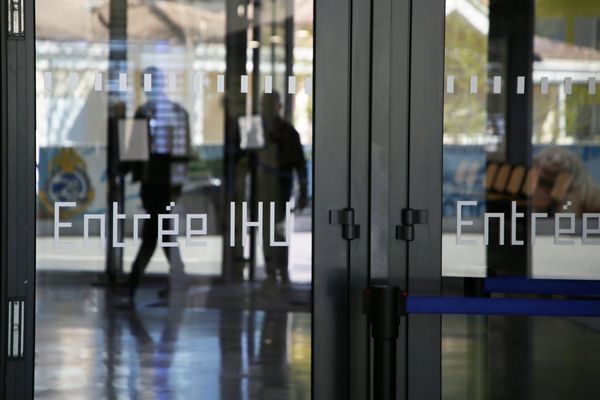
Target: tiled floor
x=88 y=346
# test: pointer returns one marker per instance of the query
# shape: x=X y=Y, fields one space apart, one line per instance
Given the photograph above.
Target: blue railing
x=512 y=306
x=497 y=306
x=568 y=287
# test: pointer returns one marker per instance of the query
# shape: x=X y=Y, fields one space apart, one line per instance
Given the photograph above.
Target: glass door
x=503 y=279
x=192 y=157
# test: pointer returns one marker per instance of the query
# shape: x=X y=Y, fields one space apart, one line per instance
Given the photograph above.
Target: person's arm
x=188 y=156
x=299 y=164
x=188 y=135
x=135 y=167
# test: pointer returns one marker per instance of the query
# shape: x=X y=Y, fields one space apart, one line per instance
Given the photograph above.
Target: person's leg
x=268 y=253
x=282 y=261
x=177 y=276
x=276 y=257
x=149 y=238
x=239 y=260
x=280 y=254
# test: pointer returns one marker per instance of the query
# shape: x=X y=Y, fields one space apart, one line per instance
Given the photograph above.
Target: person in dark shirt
x=278 y=160
x=161 y=177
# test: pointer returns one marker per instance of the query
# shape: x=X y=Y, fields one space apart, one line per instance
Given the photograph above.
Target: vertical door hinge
x=16 y=19
x=16 y=328
x=345 y=218
x=410 y=217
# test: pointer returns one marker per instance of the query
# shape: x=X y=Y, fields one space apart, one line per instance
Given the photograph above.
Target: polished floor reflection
x=214 y=343
x=253 y=342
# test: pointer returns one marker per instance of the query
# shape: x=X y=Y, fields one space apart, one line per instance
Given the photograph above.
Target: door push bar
x=385 y=305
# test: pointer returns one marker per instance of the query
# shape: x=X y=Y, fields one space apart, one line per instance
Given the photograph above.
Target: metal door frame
x=407 y=119
x=425 y=192
x=17 y=158
x=342 y=77
x=408 y=51
x=388 y=192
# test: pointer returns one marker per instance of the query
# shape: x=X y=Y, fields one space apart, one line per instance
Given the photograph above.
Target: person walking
x=278 y=160
x=161 y=177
